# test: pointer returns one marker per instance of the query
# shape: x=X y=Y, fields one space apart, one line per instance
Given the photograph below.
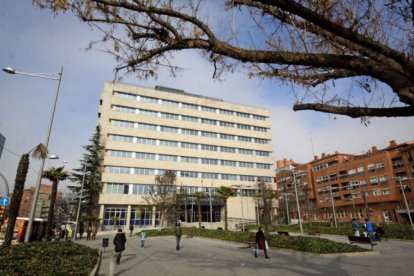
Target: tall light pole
x=297 y=203
x=333 y=206
x=405 y=199
x=80 y=199
x=42 y=164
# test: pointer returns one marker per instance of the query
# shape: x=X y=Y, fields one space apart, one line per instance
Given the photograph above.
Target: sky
x=36 y=41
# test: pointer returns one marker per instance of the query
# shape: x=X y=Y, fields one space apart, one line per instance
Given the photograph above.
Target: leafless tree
x=314 y=43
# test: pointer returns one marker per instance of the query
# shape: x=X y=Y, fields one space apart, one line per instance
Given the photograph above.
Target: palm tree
x=225 y=193
x=38 y=152
x=55 y=175
x=199 y=196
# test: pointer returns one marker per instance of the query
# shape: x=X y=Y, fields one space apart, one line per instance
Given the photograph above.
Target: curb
x=97 y=266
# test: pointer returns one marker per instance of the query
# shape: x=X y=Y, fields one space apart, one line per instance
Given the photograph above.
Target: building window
x=169 y=129
x=360 y=171
x=208 y=121
x=121 y=138
x=261 y=141
x=388 y=216
x=228 y=149
x=120 y=153
x=262 y=166
x=114 y=216
x=247 y=178
x=243 y=115
x=144 y=171
x=187 y=159
x=386 y=192
x=226 y=112
x=380 y=166
x=147 y=141
x=209 y=147
x=208 y=109
x=148 y=113
x=228 y=163
x=261 y=129
x=246 y=151
x=227 y=136
x=189 y=119
x=208 y=134
x=246 y=164
x=376 y=193
x=169 y=116
x=189 y=106
x=226 y=124
x=170 y=103
x=371 y=168
x=209 y=175
x=373 y=180
x=119 y=170
x=189 y=174
x=147 y=126
x=229 y=176
x=208 y=161
x=123 y=123
x=116 y=188
x=148 y=100
x=167 y=143
x=189 y=145
x=352 y=172
x=383 y=179
x=244 y=139
x=125 y=95
x=144 y=155
x=259 y=117
x=262 y=153
x=189 y=131
x=124 y=109
x=171 y=158
x=241 y=126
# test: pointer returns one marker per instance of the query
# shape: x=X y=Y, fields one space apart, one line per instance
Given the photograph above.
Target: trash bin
x=105 y=242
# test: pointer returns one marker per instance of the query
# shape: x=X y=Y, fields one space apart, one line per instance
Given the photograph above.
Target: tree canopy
x=314 y=43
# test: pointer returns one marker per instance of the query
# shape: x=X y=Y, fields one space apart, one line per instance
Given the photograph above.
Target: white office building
x=207 y=142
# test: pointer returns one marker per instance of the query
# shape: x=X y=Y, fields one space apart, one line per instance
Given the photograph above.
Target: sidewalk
x=212 y=257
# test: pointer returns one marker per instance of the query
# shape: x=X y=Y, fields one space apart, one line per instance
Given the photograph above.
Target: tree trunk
x=225 y=215
x=199 y=213
x=51 y=213
x=17 y=197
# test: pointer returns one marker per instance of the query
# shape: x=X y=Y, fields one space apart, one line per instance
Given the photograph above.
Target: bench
x=314 y=231
x=283 y=233
x=251 y=241
x=361 y=240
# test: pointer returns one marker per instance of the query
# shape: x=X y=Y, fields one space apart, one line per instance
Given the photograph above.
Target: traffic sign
x=4 y=201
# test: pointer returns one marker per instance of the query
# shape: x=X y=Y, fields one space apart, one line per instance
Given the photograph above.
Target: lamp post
x=42 y=164
x=333 y=206
x=297 y=203
x=405 y=199
x=80 y=199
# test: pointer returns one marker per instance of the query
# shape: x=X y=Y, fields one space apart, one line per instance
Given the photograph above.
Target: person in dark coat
x=119 y=242
x=178 y=234
x=260 y=243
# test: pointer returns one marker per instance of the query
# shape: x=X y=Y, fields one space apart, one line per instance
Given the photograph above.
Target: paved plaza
x=200 y=256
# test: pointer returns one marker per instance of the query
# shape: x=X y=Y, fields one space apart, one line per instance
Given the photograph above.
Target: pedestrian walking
x=119 y=242
x=81 y=231
x=369 y=228
x=131 y=229
x=379 y=232
x=88 y=233
x=261 y=243
x=178 y=234
x=355 y=227
x=143 y=237
x=94 y=231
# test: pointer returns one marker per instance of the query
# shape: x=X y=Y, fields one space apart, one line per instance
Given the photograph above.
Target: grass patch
x=48 y=258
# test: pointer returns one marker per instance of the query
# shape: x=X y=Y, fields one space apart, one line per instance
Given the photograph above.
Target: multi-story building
x=351 y=185
x=207 y=142
x=43 y=201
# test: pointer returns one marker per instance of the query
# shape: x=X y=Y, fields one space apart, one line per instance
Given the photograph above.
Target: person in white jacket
x=143 y=237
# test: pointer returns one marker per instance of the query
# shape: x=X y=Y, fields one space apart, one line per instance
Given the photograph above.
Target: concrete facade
x=207 y=142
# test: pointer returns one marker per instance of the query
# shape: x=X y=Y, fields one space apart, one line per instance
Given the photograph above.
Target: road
x=200 y=256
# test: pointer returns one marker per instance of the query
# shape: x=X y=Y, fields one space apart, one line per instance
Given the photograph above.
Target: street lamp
x=405 y=199
x=333 y=206
x=42 y=164
x=297 y=202
x=80 y=198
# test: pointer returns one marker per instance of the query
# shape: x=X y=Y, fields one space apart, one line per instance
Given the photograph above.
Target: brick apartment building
x=42 y=207
x=360 y=185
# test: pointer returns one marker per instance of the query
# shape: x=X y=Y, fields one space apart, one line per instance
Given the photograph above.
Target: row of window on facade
x=188 y=159
x=186 y=145
x=187 y=174
x=356 y=184
x=378 y=192
x=378 y=167
x=188 y=106
x=188 y=132
x=147 y=189
x=173 y=116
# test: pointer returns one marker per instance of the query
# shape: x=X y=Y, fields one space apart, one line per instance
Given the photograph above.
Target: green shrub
x=306 y=244
x=48 y=258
